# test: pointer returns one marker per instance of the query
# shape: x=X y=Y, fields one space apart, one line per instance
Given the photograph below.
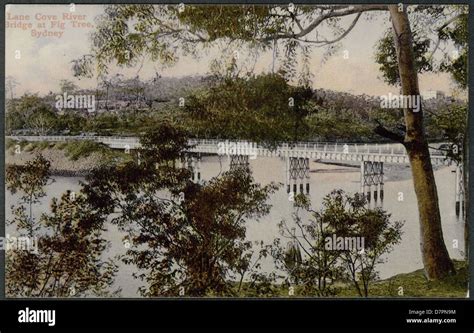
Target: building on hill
x=432 y=94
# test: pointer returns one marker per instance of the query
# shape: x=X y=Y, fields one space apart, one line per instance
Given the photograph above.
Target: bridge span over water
x=375 y=152
x=370 y=157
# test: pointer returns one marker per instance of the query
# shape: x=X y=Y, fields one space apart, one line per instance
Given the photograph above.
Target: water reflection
x=317 y=181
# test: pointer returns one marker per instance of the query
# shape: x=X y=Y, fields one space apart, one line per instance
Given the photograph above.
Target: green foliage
x=185 y=237
x=350 y=217
x=435 y=29
x=316 y=268
x=72 y=121
x=84 y=148
x=67 y=86
x=67 y=260
x=125 y=33
x=128 y=45
x=10 y=143
x=331 y=125
x=459 y=34
x=258 y=109
x=29 y=180
x=42 y=121
x=386 y=57
x=451 y=122
x=415 y=284
x=29 y=111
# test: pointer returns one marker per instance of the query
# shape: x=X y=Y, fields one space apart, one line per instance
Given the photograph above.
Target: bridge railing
x=377 y=148
x=314 y=146
x=59 y=138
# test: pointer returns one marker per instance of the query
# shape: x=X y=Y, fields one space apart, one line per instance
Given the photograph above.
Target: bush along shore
x=68 y=159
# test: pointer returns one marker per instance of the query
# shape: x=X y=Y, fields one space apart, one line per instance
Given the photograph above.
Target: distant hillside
x=168 y=88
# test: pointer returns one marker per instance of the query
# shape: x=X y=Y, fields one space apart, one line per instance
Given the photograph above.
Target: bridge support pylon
x=459 y=193
x=239 y=162
x=371 y=182
x=193 y=163
x=297 y=175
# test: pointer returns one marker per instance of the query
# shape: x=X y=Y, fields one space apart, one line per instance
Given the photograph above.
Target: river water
x=323 y=179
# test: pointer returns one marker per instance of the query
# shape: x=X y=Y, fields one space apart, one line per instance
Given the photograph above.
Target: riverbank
x=68 y=159
x=413 y=284
x=61 y=165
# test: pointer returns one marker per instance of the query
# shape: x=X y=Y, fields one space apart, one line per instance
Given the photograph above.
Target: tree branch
x=439 y=30
x=382 y=131
x=344 y=34
x=331 y=14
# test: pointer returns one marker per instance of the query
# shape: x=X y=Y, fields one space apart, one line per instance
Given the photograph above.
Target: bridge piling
x=239 y=162
x=459 y=192
x=381 y=191
x=297 y=174
x=193 y=163
x=371 y=178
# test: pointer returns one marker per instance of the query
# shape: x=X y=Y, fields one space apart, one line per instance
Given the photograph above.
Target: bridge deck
x=389 y=153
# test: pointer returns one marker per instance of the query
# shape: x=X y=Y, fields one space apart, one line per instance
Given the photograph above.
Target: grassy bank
x=414 y=284
x=73 y=158
x=74 y=150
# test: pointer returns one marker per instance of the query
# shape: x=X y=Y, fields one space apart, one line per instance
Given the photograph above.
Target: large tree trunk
x=436 y=259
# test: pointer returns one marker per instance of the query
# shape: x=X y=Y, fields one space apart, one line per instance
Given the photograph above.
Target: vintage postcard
x=236 y=151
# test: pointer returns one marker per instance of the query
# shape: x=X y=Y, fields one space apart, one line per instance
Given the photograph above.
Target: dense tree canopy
x=185 y=238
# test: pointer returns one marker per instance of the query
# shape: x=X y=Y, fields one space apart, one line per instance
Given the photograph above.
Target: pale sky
x=44 y=61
